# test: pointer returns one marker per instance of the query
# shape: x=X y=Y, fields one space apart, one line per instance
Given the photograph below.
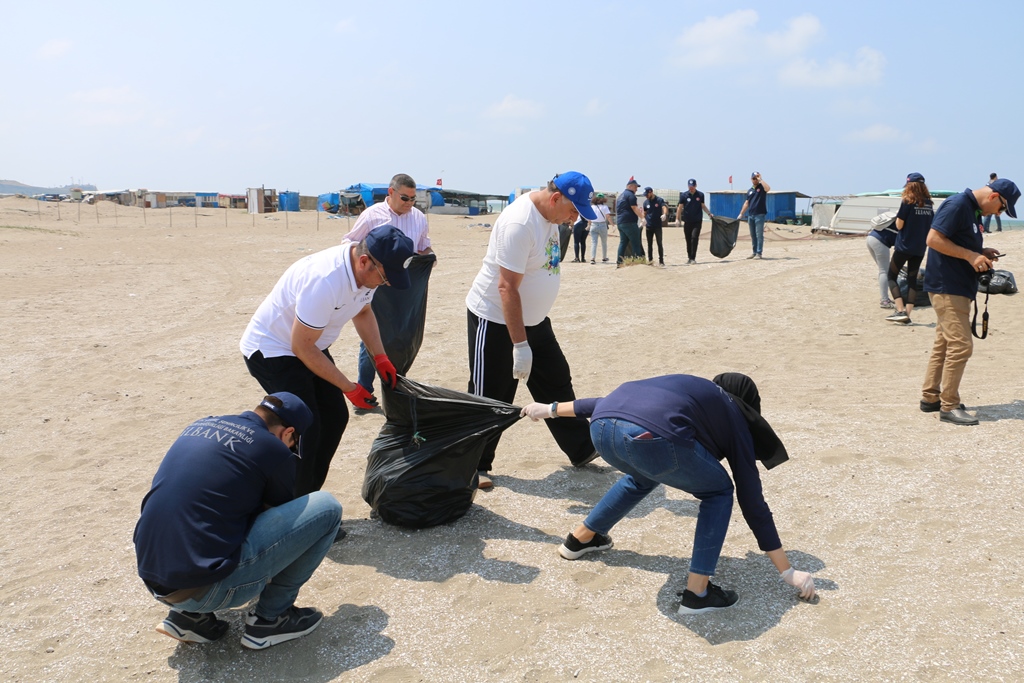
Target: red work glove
x=386 y=369
x=361 y=398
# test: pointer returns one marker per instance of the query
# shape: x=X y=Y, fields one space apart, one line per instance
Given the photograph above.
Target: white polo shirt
x=412 y=223
x=320 y=290
x=524 y=242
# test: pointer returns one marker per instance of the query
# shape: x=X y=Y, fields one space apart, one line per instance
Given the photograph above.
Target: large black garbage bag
x=724 y=233
x=402 y=313
x=1002 y=282
x=421 y=470
x=922 y=299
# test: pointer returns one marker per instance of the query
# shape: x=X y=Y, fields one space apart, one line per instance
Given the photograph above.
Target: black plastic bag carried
x=922 y=299
x=1000 y=282
x=402 y=313
x=422 y=467
x=724 y=233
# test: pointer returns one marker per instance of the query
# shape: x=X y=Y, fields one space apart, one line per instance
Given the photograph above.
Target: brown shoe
x=484 y=481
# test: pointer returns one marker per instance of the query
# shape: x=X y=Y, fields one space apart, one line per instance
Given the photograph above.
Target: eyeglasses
x=383 y=278
x=1002 y=205
x=406 y=198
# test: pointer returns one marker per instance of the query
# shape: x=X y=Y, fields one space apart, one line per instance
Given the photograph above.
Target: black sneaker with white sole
x=294 y=623
x=192 y=627
x=573 y=548
x=715 y=598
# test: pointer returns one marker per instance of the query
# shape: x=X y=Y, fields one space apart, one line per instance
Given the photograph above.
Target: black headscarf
x=768 y=447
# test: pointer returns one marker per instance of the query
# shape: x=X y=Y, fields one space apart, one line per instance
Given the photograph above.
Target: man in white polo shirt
x=510 y=335
x=398 y=209
x=286 y=343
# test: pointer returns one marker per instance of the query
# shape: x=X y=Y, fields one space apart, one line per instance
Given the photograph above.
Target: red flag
x=730 y=180
x=439 y=182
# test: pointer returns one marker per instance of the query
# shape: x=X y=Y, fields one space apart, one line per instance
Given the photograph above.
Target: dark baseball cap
x=648 y=189
x=915 y=178
x=1010 y=193
x=632 y=181
x=691 y=182
x=293 y=411
x=394 y=250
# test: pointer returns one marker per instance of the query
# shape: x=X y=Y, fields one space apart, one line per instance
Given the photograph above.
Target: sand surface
x=118 y=330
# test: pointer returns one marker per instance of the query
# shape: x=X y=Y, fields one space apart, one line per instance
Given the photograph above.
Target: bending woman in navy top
x=913 y=221
x=674 y=430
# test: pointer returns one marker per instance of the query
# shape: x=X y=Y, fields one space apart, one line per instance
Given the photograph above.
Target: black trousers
x=327 y=403
x=651 y=234
x=490 y=372
x=691 y=229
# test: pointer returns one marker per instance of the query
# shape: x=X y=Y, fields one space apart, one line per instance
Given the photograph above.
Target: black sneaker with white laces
x=573 y=548
x=192 y=627
x=715 y=598
x=294 y=623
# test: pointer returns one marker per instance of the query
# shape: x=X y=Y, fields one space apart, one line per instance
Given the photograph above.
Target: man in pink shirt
x=398 y=209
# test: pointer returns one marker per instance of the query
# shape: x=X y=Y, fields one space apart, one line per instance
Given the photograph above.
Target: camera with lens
x=985 y=278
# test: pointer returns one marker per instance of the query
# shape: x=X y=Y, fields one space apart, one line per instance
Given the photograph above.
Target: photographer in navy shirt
x=674 y=430
x=956 y=256
x=221 y=526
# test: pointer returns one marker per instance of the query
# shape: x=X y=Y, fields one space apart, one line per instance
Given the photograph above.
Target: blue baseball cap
x=1009 y=192
x=578 y=189
x=293 y=411
x=394 y=250
x=632 y=181
x=915 y=178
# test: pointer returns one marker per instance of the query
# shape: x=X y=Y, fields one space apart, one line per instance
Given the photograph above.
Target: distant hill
x=14 y=187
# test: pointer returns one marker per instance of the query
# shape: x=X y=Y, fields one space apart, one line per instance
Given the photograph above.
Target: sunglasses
x=383 y=278
x=1002 y=205
x=406 y=198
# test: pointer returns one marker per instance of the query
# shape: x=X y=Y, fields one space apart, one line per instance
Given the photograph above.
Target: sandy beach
x=120 y=329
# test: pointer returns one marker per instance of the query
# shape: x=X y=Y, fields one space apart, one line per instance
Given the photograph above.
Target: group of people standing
x=236 y=513
x=953 y=238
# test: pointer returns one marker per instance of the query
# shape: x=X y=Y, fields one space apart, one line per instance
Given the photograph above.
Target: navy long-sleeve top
x=684 y=409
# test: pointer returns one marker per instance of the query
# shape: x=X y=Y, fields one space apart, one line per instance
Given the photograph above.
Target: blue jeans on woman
x=367 y=370
x=756 y=224
x=286 y=543
x=651 y=460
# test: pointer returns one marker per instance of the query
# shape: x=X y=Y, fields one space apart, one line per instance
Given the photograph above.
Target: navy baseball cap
x=293 y=411
x=1009 y=192
x=754 y=174
x=632 y=181
x=578 y=189
x=915 y=178
x=394 y=250
x=648 y=189
x=691 y=182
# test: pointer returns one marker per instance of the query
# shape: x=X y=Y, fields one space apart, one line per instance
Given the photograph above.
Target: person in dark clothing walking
x=655 y=211
x=691 y=203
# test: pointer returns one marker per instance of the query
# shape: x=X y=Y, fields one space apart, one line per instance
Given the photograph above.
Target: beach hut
x=261 y=200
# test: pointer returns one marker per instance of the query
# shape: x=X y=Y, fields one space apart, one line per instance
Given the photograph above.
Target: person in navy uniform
x=691 y=204
x=655 y=211
x=756 y=206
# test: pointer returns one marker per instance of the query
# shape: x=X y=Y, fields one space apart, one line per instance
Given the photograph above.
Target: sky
x=821 y=98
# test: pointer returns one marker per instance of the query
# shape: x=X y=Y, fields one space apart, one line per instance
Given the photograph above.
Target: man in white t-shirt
x=286 y=343
x=510 y=335
x=397 y=209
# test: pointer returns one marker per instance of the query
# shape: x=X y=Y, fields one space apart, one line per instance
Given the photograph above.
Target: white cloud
x=927 y=146
x=109 y=95
x=866 y=70
x=879 y=132
x=513 y=107
x=734 y=39
x=595 y=107
x=345 y=26
x=54 y=49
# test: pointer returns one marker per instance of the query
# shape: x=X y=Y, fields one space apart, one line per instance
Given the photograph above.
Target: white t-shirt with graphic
x=524 y=242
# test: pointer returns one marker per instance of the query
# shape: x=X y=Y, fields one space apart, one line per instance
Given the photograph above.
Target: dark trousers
x=630 y=243
x=579 y=243
x=326 y=401
x=651 y=234
x=490 y=375
x=691 y=229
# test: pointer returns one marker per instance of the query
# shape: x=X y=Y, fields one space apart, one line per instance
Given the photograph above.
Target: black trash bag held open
x=724 y=233
x=922 y=300
x=422 y=467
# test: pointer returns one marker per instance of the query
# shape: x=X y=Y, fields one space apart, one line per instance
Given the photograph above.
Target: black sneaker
x=573 y=549
x=715 y=598
x=587 y=460
x=192 y=627
x=294 y=623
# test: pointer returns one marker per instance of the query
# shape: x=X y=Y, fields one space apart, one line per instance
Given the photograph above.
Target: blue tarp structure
x=373 y=193
x=328 y=202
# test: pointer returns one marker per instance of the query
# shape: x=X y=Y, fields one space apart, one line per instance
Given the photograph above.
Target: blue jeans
x=367 y=370
x=756 y=224
x=286 y=543
x=648 y=462
x=629 y=233
x=987 y=222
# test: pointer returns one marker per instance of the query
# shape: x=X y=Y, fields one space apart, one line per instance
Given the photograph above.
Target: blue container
x=780 y=205
x=288 y=201
x=726 y=203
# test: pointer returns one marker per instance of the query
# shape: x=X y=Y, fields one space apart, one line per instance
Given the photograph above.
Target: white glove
x=802 y=581
x=537 y=411
x=522 y=360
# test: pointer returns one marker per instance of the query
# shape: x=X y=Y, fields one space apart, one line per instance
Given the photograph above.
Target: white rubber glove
x=522 y=360
x=537 y=411
x=802 y=581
